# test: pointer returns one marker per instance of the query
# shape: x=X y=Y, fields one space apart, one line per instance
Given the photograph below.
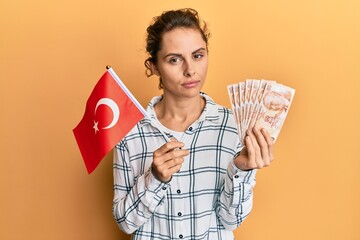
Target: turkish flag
x=111 y=112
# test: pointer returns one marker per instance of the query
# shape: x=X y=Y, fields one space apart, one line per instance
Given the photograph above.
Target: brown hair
x=167 y=21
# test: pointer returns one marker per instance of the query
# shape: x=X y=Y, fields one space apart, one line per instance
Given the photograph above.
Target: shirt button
x=178 y=191
x=190 y=128
x=179 y=214
x=181 y=236
x=164 y=188
x=236 y=176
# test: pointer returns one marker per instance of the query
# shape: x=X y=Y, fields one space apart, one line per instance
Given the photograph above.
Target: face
x=182 y=62
x=275 y=101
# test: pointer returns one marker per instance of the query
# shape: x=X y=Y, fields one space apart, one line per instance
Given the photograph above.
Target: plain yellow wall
x=53 y=52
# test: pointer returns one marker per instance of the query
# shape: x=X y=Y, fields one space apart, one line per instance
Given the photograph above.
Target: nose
x=189 y=70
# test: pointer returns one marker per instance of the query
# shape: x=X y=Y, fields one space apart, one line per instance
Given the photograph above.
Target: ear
x=154 y=69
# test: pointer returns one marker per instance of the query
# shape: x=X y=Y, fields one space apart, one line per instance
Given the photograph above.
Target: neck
x=179 y=114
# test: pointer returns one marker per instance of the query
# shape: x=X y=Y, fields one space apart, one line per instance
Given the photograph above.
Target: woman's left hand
x=258 y=151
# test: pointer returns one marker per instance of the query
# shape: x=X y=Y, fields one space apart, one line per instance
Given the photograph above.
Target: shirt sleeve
x=236 y=199
x=135 y=197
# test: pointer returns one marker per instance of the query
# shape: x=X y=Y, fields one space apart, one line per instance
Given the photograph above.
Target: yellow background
x=53 y=52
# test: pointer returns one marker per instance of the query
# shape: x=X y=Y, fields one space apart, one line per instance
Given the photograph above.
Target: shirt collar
x=210 y=112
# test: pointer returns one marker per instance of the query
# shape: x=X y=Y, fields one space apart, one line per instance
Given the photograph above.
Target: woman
x=199 y=184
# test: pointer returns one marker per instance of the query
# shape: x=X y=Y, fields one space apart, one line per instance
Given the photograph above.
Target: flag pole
x=112 y=72
x=126 y=90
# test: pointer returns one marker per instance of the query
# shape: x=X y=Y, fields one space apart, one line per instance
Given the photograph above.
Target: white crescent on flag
x=114 y=108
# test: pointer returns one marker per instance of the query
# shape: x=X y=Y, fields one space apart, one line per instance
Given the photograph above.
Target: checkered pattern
x=207 y=199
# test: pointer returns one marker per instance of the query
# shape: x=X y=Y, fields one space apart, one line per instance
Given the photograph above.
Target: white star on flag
x=95 y=127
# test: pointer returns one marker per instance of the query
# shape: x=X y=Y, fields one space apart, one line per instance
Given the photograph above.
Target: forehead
x=182 y=40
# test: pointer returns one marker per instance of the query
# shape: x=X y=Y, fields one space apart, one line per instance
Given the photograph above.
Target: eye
x=198 y=56
x=174 y=60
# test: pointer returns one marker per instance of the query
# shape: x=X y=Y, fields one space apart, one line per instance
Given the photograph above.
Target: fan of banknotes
x=260 y=103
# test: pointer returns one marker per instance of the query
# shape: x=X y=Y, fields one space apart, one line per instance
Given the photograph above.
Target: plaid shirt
x=207 y=199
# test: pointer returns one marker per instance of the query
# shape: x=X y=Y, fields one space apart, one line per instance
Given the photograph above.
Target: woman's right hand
x=168 y=160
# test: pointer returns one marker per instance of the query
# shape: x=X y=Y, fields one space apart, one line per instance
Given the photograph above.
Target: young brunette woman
x=200 y=184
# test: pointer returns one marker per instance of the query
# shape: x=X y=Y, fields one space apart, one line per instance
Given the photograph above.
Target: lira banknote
x=260 y=103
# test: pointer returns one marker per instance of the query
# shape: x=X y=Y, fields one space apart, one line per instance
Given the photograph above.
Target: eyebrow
x=179 y=55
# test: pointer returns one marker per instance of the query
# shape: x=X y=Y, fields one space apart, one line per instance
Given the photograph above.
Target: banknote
x=252 y=103
x=242 y=90
x=233 y=92
x=260 y=103
x=248 y=103
x=257 y=100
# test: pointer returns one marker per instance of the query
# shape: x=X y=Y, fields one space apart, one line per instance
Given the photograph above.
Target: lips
x=190 y=84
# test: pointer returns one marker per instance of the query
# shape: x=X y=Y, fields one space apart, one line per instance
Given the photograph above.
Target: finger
x=250 y=152
x=169 y=146
x=173 y=139
x=175 y=163
x=175 y=154
x=263 y=146
x=176 y=168
x=165 y=171
x=257 y=151
x=259 y=137
x=159 y=160
x=270 y=142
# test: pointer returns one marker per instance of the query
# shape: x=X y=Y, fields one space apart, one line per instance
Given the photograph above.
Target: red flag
x=111 y=112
